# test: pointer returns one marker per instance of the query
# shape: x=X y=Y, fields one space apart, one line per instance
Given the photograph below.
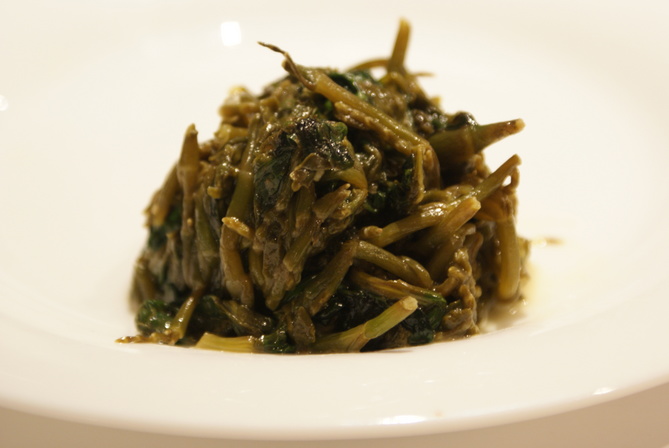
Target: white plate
x=94 y=99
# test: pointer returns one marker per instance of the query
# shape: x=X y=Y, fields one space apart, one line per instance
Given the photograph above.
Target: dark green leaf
x=271 y=174
x=158 y=235
x=400 y=192
x=277 y=342
x=154 y=316
x=325 y=139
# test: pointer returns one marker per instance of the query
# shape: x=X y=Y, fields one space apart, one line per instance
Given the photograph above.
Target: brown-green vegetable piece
x=334 y=212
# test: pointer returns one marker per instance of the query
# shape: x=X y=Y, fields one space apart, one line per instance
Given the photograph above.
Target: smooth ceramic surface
x=637 y=420
x=94 y=99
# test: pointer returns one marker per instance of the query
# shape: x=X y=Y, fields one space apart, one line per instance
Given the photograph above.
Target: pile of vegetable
x=335 y=211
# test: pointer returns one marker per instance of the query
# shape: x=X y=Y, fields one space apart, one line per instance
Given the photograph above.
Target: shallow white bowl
x=94 y=99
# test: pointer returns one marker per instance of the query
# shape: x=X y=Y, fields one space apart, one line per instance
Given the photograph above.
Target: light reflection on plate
x=99 y=102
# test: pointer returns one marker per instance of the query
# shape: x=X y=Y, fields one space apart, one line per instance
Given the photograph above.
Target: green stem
x=510 y=261
x=496 y=179
x=396 y=61
x=394 y=289
x=403 y=267
x=160 y=208
x=354 y=340
x=180 y=321
x=240 y=344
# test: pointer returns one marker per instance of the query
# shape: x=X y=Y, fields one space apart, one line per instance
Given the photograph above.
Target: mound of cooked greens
x=334 y=212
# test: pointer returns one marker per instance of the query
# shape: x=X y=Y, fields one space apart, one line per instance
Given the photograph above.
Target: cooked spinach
x=335 y=211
